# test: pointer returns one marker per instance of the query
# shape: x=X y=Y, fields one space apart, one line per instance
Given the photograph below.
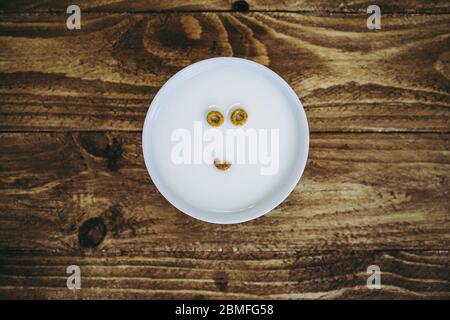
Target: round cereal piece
x=239 y=117
x=214 y=118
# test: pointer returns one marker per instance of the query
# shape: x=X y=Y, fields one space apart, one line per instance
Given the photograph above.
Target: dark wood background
x=74 y=188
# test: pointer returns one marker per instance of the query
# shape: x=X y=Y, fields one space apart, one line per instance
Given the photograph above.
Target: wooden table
x=74 y=189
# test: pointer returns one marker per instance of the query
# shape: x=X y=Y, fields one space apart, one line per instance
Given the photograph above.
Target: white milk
x=268 y=105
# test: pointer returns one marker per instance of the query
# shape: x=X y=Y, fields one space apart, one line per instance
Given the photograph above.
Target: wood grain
x=399 y=6
x=104 y=76
x=359 y=191
x=230 y=275
x=74 y=188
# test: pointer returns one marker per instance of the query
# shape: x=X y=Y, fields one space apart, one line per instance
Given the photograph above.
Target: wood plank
x=104 y=76
x=221 y=275
x=399 y=6
x=359 y=191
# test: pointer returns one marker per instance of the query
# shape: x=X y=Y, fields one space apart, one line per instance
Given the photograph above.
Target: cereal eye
x=214 y=118
x=239 y=117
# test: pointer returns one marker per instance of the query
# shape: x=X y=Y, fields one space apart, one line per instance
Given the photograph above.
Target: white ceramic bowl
x=238 y=194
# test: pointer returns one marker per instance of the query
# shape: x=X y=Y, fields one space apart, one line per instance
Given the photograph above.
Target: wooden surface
x=399 y=6
x=74 y=188
x=104 y=76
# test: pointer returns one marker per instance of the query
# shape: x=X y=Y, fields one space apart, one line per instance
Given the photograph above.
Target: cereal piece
x=239 y=117
x=222 y=166
x=214 y=118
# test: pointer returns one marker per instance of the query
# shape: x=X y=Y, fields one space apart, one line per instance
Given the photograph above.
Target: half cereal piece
x=222 y=166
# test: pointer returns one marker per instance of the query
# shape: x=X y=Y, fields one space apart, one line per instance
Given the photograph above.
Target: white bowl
x=238 y=194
